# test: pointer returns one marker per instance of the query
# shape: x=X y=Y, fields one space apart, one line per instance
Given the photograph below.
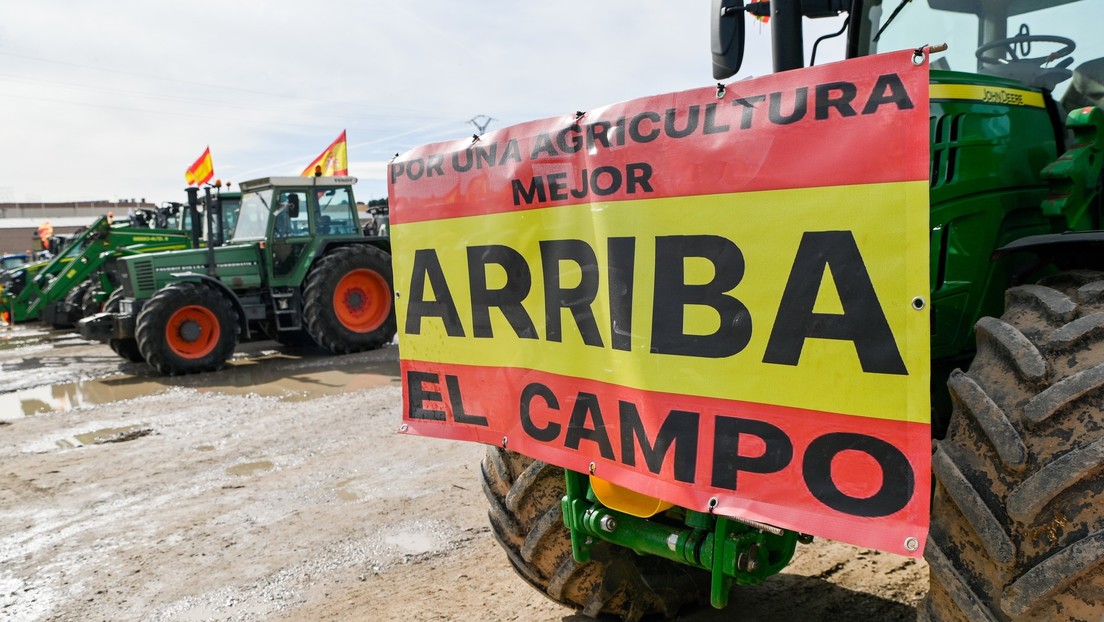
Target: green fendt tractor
x=60 y=289
x=295 y=268
x=1016 y=298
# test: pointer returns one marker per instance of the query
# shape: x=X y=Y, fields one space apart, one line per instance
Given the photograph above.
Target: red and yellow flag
x=333 y=161
x=202 y=171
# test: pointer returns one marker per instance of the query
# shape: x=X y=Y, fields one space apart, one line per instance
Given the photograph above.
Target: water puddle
x=249 y=468
x=283 y=376
x=106 y=435
x=343 y=491
x=24 y=336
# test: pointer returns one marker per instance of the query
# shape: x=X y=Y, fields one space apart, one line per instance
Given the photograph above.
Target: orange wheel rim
x=192 y=332
x=362 y=301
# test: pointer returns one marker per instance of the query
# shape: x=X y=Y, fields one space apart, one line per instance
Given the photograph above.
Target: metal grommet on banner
x=504 y=442
x=712 y=504
x=918 y=303
x=592 y=467
x=720 y=91
x=920 y=53
x=911 y=544
x=403 y=428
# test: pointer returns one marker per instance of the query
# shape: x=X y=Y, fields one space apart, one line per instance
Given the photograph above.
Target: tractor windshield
x=252 y=216
x=1050 y=44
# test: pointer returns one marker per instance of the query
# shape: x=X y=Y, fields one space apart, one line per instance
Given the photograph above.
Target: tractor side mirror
x=293 y=206
x=727 y=29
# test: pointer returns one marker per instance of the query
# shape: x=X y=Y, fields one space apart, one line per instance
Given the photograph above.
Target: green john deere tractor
x=66 y=287
x=101 y=285
x=1017 y=299
x=295 y=268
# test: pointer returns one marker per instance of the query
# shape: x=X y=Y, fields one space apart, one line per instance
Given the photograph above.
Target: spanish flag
x=202 y=171
x=333 y=161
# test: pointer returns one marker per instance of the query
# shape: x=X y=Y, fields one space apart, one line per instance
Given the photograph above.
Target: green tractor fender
x=1075 y=197
x=1067 y=251
x=384 y=244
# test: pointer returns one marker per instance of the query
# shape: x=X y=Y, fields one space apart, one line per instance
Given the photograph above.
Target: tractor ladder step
x=285 y=309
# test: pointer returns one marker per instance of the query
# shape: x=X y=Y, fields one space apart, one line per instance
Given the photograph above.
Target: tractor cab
x=1000 y=97
x=1043 y=44
x=291 y=214
x=1048 y=45
x=278 y=207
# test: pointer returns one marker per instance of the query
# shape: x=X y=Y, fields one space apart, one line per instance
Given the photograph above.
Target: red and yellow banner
x=715 y=298
x=201 y=171
x=333 y=161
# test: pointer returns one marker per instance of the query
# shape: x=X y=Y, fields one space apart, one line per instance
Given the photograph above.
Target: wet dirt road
x=278 y=489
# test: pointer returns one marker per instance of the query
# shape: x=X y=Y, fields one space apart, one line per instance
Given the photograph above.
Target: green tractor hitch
x=735 y=552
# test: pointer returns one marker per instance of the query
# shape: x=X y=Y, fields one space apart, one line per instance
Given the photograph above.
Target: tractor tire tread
x=526 y=520
x=1017 y=531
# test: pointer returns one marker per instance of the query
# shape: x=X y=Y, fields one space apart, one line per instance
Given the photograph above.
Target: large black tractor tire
x=1017 y=529
x=186 y=328
x=69 y=304
x=348 y=302
x=126 y=347
x=527 y=521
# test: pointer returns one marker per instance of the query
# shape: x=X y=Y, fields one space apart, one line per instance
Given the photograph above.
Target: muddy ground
x=278 y=489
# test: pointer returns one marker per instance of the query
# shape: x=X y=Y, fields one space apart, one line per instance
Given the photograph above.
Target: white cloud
x=114 y=99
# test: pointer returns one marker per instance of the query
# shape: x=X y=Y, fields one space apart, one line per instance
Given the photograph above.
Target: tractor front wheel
x=187 y=328
x=1017 y=527
x=347 y=300
x=527 y=521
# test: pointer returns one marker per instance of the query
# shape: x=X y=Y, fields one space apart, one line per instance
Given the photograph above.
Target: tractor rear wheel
x=347 y=300
x=527 y=521
x=186 y=328
x=126 y=347
x=1017 y=529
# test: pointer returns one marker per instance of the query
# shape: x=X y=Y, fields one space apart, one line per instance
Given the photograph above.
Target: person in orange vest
x=45 y=230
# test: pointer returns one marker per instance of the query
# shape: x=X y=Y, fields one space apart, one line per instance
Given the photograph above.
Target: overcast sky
x=115 y=99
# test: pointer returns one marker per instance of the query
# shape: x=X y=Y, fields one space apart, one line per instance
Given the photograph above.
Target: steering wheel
x=1022 y=42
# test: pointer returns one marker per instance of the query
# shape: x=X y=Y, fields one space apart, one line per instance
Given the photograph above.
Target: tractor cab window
x=1049 y=44
x=336 y=212
x=292 y=217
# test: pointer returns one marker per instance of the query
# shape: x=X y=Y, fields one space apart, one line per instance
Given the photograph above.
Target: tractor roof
x=266 y=182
